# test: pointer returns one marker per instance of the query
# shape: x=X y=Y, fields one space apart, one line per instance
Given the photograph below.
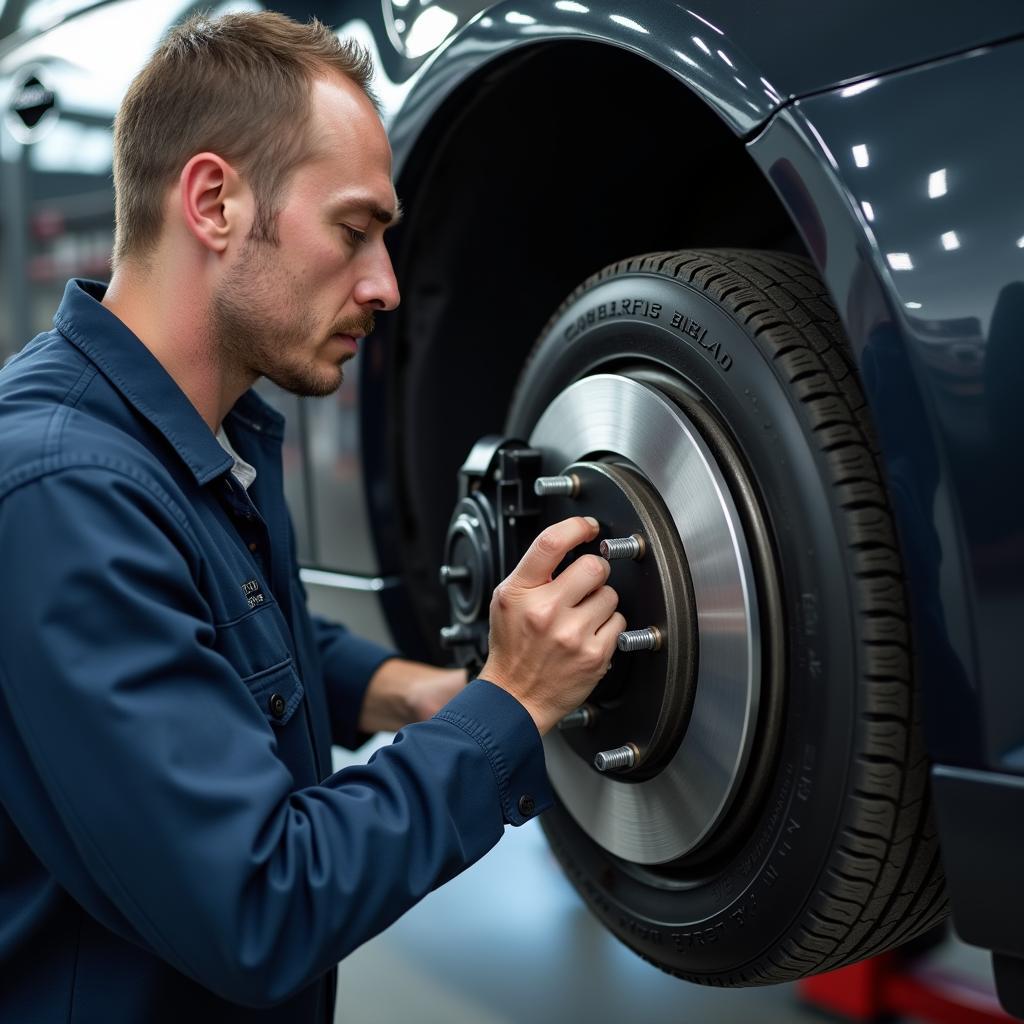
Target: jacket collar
x=137 y=374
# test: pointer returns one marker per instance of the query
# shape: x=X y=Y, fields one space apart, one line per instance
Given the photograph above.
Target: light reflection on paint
x=621 y=19
x=429 y=30
x=856 y=90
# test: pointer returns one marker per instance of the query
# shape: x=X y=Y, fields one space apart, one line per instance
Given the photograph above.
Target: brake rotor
x=659 y=815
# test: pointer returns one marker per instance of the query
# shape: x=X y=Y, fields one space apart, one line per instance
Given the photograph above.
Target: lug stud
x=639 y=640
x=453 y=574
x=568 y=486
x=616 y=760
x=459 y=633
x=624 y=547
x=581 y=718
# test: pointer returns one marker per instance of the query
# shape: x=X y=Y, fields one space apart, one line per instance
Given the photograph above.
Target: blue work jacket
x=173 y=845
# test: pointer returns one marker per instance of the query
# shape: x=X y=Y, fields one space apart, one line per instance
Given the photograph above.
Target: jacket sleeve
x=141 y=771
x=348 y=662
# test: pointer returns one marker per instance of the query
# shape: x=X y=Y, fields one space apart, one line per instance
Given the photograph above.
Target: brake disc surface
x=661 y=818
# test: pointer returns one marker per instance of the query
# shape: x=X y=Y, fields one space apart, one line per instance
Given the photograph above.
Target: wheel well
x=536 y=173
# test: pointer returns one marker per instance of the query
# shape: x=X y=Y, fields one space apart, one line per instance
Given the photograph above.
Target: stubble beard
x=260 y=327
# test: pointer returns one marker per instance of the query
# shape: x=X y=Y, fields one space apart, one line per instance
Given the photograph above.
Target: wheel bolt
x=617 y=759
x=453 y=574
x=451 y=636
x=623 y=547
x=569 y=486
x=581 y=718
x=640 y=640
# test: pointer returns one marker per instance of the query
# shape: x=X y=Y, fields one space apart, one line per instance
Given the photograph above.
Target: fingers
x=548 y=550
x=597 y=608
x=608 y=634
x=581 y=579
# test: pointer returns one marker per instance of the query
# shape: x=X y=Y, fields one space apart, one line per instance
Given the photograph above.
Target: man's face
x=293 y=312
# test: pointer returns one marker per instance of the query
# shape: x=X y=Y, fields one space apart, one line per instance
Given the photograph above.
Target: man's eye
x=359 y=237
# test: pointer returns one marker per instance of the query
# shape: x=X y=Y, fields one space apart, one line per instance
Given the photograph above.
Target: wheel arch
x=501 y=188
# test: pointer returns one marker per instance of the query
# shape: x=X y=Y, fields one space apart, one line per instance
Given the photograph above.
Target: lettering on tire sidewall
x=692 y=331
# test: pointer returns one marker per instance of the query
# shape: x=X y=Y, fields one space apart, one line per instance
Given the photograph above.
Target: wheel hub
x=646 y=697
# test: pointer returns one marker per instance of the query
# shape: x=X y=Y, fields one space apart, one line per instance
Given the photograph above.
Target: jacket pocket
x=277 y=691
x=255 y=643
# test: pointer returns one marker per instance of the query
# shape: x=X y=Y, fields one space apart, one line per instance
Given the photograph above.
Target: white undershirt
x=241 y=470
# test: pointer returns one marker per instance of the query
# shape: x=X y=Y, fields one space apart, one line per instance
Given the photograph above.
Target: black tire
x=834 y=857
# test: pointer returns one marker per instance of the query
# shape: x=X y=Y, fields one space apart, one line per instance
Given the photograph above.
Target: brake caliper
x=495 y=519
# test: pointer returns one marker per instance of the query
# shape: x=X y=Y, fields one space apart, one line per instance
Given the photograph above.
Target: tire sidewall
x=727 y=920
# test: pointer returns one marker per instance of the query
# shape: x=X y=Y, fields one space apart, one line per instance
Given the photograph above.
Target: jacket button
x=277 y=705
x=526 y=805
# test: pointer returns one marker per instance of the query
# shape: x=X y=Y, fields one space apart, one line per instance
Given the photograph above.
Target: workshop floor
x=509 y=942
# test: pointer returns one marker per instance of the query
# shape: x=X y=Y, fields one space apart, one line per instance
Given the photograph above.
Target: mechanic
x=173 y=845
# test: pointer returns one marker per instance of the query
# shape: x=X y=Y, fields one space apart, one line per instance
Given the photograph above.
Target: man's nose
x=379 y=287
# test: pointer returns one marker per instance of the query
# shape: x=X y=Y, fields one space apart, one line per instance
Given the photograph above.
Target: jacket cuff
x=509 y=738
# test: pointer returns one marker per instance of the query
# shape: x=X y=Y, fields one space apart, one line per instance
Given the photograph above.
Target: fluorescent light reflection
x=704 y=46
x=856 y=90
x=516 y=18
x=687 y=60
x=899 y=260
x=621 y=19
x=572 y=7
x=913 y=305
x=726 y=59
x=705 y=21
x=950 y=241
x=429 y=31
x=860 y=156
x=869 y=210
x=1020 y=242
x=937 y=184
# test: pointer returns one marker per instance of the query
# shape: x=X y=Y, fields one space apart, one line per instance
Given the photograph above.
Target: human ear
x=212 y=201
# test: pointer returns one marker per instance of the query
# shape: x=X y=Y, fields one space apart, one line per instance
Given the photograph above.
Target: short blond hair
x=238 y=86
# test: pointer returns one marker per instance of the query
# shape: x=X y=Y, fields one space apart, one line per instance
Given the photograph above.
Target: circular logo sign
x=32 y=107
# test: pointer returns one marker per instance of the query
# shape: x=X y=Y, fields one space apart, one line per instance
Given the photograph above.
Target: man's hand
x=401 y=692
x=552 y=640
